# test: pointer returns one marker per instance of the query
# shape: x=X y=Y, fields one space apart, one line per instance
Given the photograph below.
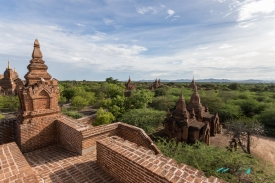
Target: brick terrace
x=56 y=164
x=13 y=165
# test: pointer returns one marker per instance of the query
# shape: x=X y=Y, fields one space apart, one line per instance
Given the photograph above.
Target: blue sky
x=175 y=39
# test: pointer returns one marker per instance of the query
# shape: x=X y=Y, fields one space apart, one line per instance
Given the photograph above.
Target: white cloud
x=225 y=46
x=108 y=21
x=170 y=13
x=251 y=8
x=80 y=25
x=144 y=10
x=159 y=74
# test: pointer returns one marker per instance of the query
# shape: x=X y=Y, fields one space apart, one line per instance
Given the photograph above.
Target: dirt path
x=262 y=147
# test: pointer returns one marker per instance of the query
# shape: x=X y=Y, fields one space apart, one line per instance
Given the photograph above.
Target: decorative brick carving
x=38 y=106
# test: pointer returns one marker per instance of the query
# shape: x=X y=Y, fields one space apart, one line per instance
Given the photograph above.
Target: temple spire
x=181 y=96
x=195 y=89
x=14 y=70
x=36 y=51
x=9 y=67
x=181 y=103
x=37 y=68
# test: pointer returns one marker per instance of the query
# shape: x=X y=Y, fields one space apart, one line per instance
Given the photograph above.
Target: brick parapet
x=7 y=130
x=14 y=167
x=37 y=133
x=128 y=162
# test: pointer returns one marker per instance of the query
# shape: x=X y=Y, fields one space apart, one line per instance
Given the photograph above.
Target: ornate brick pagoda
x=9 y=81
x=183 y=126
x=202 y=113
x=130 y=85
x=38 y=105
x=155 y=85
x=37 y=68
x=192 y=84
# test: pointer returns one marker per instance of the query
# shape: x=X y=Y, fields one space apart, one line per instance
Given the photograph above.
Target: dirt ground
x=262 y=147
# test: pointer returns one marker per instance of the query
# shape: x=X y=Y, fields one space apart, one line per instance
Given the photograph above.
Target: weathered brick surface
x=7 y=130
x=13 y=165
x=37 y=133
x=130 y=163
x=136 y=135
x=58 y=165
x=68 y=136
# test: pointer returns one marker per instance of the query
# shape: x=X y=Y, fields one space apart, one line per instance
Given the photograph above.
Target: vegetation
x=242 y=130
x=103 y=117
x=147 y=119
x=209 y=159
x=71 y=113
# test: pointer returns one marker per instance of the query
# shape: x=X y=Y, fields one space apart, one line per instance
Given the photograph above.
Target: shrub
x=103 y=117
x=147 y=119
x=73 y=114
x=209 y=158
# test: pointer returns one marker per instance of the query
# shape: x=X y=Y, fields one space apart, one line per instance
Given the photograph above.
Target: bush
x=103 y=117
x=209 y=158
x=163 y=103
x=267 y=118
x=73 y=114
x=147 y=119
x=234 y=86
x=79 y=102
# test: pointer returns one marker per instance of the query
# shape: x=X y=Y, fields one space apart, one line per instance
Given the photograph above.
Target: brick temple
x=155 y=85
x=9 y=81
x=129 y=87
x=192 y=122
x=42 y=145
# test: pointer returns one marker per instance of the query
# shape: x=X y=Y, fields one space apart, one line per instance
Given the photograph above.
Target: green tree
x=69 y=93
x=229 y=111
x=267 y=118
x=234 y=86
x=103 y=117
x=62 y=100
x=78 y=102
x=147 y=119
x=163 y=103
x=242 y=130
x=112 y=80
x=250 y=107
x=11 y=102
x=139 y=99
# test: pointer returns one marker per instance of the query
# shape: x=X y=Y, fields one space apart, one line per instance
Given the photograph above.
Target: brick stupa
x=37 y=68
x=38 y=105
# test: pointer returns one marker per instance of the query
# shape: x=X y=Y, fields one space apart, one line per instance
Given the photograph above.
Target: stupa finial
x=36 y=50
x=9 y=67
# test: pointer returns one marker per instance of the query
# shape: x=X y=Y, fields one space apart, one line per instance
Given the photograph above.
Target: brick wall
x=136 y=135
x=7 y=130
x=37 y=133
x=68 y=136
x=129 y=163
x=14 y=167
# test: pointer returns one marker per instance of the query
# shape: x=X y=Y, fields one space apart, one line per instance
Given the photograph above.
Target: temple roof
x=37 y=68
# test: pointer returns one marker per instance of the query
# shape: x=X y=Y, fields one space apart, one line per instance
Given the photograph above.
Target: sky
x=145 y=39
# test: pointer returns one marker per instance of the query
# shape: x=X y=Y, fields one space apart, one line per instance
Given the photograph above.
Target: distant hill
x=211 y=80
